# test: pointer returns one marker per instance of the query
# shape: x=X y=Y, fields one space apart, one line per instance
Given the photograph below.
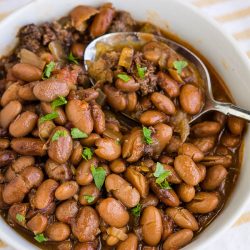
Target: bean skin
x=26 y=72
x=186 y=192
x=38 y=223
x=58 y=231
x=130 y=243
x=163 y=103
x=152 y=117
x=205 y=129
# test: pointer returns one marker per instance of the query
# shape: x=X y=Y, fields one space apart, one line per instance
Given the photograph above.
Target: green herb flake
x=87 y=154
x=78 y=134
x=89 y=198
x=136 y=211
x=58 y=134
x=99 y=175
x=58 y=102
x=20 y=218
x=48 y=70
x=179 y=66
x=147 y=135
x=124 y=77
x=72 y=59
x=40 y=238
x=161 y=174
x=141 y=71
x=48 y=117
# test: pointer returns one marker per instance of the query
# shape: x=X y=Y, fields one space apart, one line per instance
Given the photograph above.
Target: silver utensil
x=138 y=38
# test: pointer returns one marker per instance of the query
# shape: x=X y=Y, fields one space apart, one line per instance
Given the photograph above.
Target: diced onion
x=126 y=57
x=27 y=56
x=57 y=51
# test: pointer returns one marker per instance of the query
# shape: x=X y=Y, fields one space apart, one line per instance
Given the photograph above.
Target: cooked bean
x=178 y=239
x=225 y=160
x=163 y=103
x=129 y=86
x=26 y=72
x=152 y=117
x=191 y=99
x=76 y=155
x=37 y=224
x=203 y=202
x=66 y=190
x=45 y=194
x=45 y=129
x=173 y=176
x=25 y=92
x=4 y=143
x=58 y=172
x=115 y=234
x=166 y=159
x=113 y=212
x=192 y=151
x=205 y=144
x=150 y=200
x=214 y=177
x=138 y=180
x=107 y=149
x=151 y=223
x=60 y=148
x=19 y=208
x=202 y=170
x=49 y=90
x=86 y=225
x=205 y=129
x=131 y=102
x=230 y=140
x=78 y=50
x=130 y=243
x=87 y=95
x=6 y=157
x=58 y=231
x=122 y=190
x=79 y=114
x=98 y=118
x=220 y=118
x=85 y=246
x=118 y=166
x=168 y=226
x=236 y=125
x=9 y=113
x=187 y=170
x=10 y=94
x=90 y=140
x=23 y=124
x=66 y=211
x=28 y=146
x=174 y=144
x=88 y=190
x=183 y=218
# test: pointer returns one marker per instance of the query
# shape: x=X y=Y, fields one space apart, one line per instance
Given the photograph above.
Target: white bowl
x=189 y=24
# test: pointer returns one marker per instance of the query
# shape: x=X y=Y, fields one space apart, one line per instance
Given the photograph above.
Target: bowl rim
x=19 y=244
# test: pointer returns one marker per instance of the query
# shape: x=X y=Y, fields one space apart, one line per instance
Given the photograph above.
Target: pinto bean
x=131 y=101
x=102 y=20
x=4 y=143
x=79 y=114
x=129 y=86
x=58 y=231
x=205 y=129
x=168 y=85
x=28 y=146
x=163 y=103
x=187 y=170
x=83 y=173
x=138 y=180
x=122 y=190
x=151 y=223
x=150 y=200
x=186 y=192
x=25 y=92
x=86 y=225
x=118 y=166
x=86 y=246
x=173 y=177
x=166 y=159
x=202 y=170
x=66 y=190
x=10 y=94
x=225 y=160
x=174 y=144
x=98 y=118
x=45 y=194
x=23 y=124
x=90 y=140
x=230 y=140
x=203 y=202
x=37 y=224
x=60 y=148
x=191 y=99
x=236 y=125
x=26 y=72
x=214 y=177
x=130 y=243
x=45 y=129
x=66 y=211
x=205 y=144
x=76 y=155
x=87 y=95
x=107 y=149
x=192 y=151
x=19 y=208
x=91 y=190
x=178 y=239
x=7 y=157
x=58 y=172
x=152 y=117
x=152 y=51
x=49 y=90
x=113 y=212
x=183 y=218
x=9 y=113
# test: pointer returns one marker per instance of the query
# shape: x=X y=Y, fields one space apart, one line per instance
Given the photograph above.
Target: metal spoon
x=138 y=39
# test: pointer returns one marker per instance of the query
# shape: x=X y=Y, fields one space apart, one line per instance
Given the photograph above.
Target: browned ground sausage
x=26 y=72
x=66 y=211
x=58 y=231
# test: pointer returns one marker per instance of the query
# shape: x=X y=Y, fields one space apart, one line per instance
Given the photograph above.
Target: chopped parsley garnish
x=161 y=174
x=180 y=65
x=48 y=117
x=40 y=238
x=124 y=77
x=99 y=175
x=72 y=59
x=78 y=134
x=147 y=135
x=141 y=71
x=89 y=198
x=58 y=134
x=48 y=70
x=136 y=211
x=87 y=154
x=20 y=218
x=58 y=102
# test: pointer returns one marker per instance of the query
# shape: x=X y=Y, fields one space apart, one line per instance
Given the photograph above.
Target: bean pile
x=74 y=174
